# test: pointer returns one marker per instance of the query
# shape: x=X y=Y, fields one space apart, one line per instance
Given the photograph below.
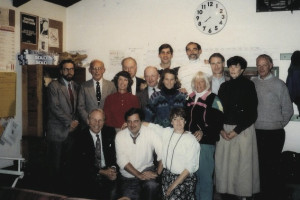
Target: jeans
x=204 y=185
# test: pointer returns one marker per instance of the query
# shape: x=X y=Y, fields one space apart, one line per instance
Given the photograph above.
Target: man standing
x=62 y=118
x=165 y=53
x=92 y=93
x=187 y=72
x=94 y=159
x=135 y=146
x=151 y=75
x=129 y=65
x=274 y=112
x=217 y=64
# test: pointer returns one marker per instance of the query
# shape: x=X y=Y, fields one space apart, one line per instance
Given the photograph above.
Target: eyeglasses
x=68 y=69
x=97 y=69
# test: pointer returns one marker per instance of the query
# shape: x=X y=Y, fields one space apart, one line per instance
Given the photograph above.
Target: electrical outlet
x=285 y=56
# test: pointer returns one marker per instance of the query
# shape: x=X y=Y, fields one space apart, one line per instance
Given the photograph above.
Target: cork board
x=8 y=93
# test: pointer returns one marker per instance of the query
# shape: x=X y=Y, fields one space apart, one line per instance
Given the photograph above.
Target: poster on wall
x=28 y=28
x=53 y=38
x=44 y=34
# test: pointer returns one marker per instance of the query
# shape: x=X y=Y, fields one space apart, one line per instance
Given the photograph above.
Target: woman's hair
x=177 y=112
x=198 y=76
x=126 y=75
x=162 y=77
x=237 y=60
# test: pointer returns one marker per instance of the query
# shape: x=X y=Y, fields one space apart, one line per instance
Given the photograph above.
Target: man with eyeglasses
x=92 y=93
x=62 y=118
x=135 y=146
x=93 y=160
x=217 y=64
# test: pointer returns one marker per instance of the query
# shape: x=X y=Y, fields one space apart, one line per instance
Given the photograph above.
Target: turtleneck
x=198 y=95
x=169 y=91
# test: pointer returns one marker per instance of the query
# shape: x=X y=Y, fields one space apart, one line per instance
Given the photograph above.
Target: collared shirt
x=133 y=87
x=187 y=72
x=216 y=83
x=140 y=155
x=151 y=91
x=270 y=75
x=95 y=139
x=101 y=84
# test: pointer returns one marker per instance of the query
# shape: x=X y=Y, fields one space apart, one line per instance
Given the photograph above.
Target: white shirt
x=151 y=91
x=133 y=87
x=140 y=155
x=185 y=155
x=187 y=72
x=95 y=85
x=198 y=95
x=95 y=139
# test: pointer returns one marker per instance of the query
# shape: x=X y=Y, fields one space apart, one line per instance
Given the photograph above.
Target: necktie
x=154 y=89
x=98 y=93
x=98 y=152
x=71 y=95
x=134 y=138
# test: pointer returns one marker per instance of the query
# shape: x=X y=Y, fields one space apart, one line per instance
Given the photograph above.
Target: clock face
x=210 y=17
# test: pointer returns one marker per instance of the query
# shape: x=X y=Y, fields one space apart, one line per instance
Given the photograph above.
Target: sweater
x=207 y=115
x=161 y=103
x=239 y=100
x=115 y=107
x=274 y=104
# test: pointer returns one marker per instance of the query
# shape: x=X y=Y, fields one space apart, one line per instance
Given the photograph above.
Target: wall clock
x=210 y=17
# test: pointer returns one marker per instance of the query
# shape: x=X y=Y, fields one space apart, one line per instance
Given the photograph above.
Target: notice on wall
x=8 y=93
x=28 y=29
x=44 y=34
x=7 y=42
x=53 y=38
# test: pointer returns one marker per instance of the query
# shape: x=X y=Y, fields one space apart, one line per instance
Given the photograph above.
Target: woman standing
x=205 y=121
x=161 y=103
x=180 y=157
x=236 y=153
x=118 y=103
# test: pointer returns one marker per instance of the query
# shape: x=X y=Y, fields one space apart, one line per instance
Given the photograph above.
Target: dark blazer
x=87 y=100
x=143 y=97
x=139 y=81
x=60 y=111
x=84 y=173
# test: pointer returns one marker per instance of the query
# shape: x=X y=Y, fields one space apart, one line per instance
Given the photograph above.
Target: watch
x=210 y=17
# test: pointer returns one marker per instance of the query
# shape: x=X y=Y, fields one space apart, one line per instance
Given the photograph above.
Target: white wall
x=136 y=28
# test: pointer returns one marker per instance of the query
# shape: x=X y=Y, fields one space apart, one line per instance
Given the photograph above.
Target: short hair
x=128 y=58
x=218 y=55
x=96 y=110
x=162 y=77
x=200 y=75
x=133 y=111
x=61 y=64
x=266 y=57
x=237 y=60
x=126 y=75
x=198 y=45
x=95 y=61
x=165 y=46
x=180 y=112
x=295 y=59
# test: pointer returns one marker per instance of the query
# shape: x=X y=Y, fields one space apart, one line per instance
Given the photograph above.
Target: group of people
x=173 y=134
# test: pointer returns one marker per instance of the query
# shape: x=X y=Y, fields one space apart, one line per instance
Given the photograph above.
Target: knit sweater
x=161 y=103
x=274 y=104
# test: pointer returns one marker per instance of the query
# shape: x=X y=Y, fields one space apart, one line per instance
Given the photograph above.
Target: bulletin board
x=8 y=94
x=31 y=36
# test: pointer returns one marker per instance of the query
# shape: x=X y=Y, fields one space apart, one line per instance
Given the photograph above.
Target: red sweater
x=115 y=107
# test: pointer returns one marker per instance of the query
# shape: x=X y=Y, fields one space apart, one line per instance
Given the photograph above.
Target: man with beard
x=62 y=118
x=187 y=72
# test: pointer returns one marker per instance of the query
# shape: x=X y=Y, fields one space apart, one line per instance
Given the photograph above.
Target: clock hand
x=207 y=19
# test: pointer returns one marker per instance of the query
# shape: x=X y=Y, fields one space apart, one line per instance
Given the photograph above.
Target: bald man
x=129 y=64
x=93 y=92
x=151 y=75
